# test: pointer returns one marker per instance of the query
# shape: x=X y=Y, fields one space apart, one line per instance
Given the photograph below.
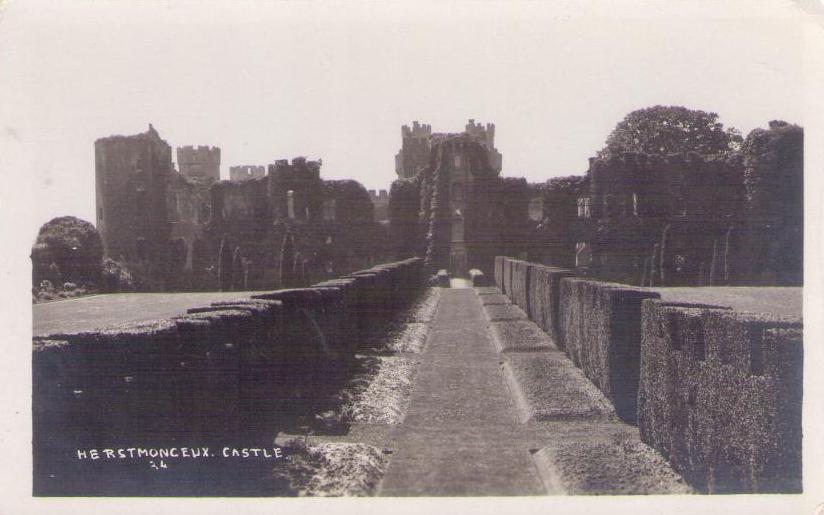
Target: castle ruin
x=186 y=230
x=417 y=142
x=645 y=220
x=246 y=172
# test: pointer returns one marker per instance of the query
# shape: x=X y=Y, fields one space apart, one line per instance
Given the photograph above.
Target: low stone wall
x=717 y=392
x=499 y=272
x=720 y=396
x=218 y=372
x=507 y=279
x=519 y=283
x=544 y=299
x=478 y=278
x=600 y=326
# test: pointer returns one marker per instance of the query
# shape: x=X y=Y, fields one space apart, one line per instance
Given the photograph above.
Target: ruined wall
x=469 y=213
x=246 y=172
x=486 y=136
x=353 y=229
x=415 y=150
x=774 y=182
x=403 y=210
x=690 y=220
x=380 y=199
x=330 y=224
x=720 y=396
x=418 y=141
x=188 y=204
x=558 y=231
x=199 y=162
x=132 y=174
x=302 y=178
x=439 y=222
x=633 y=201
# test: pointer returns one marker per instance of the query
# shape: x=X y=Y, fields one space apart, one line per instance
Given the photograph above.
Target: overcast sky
x=336 y=81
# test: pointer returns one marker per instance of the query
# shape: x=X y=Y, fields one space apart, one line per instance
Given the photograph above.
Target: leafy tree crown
x=671 y=130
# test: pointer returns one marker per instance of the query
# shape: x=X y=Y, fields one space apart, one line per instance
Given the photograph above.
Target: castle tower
x=415 y=148
x=417 y=142
x=200 y=162
x=131 y=182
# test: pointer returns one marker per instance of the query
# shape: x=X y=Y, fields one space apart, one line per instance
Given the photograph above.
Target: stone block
x=495 y=298
x=488 y=290
x=478 y=278
x=499 y=272
x=544 y=299
x=519 y=336
x=598 y=468
x=720 y=396
x=501 y=312
x=601 y=331
x=547 y=386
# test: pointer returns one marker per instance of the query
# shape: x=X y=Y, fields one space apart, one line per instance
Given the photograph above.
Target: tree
x=73 y=246
x=671 y=130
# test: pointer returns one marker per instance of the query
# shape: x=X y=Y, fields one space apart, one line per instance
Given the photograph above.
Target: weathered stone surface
x=618 y=468
x=544 y=299
x=499 y=272
x=547 y=386
x=494 y=298
x=478 y=278
x=720 y=396
x=519 y=292
x=488 y=290
x=500 y=312
x=601 y=332
x=459 y=436
x=508 y=266
x=520 y=335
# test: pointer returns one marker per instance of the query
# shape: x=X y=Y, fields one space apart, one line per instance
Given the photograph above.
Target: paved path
x=95 y=312
x=460 y=435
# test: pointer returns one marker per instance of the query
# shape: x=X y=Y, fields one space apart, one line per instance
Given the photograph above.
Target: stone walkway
x=497 y=409
x=460 y=435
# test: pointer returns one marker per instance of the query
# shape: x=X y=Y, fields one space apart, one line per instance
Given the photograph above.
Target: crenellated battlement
x=418 y=141
x=246 y=172
x=300 y=167
x=378 y=195
x=480 y=133
x=200 y=161
x=417 y=131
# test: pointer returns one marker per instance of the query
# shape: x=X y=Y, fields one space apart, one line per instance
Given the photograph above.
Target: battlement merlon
x=481 y=133
x=378 y=194
x=199 y=153
x=417 y=131
x=299 y=165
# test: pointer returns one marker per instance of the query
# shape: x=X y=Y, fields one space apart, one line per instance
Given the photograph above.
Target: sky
x=336 y=80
